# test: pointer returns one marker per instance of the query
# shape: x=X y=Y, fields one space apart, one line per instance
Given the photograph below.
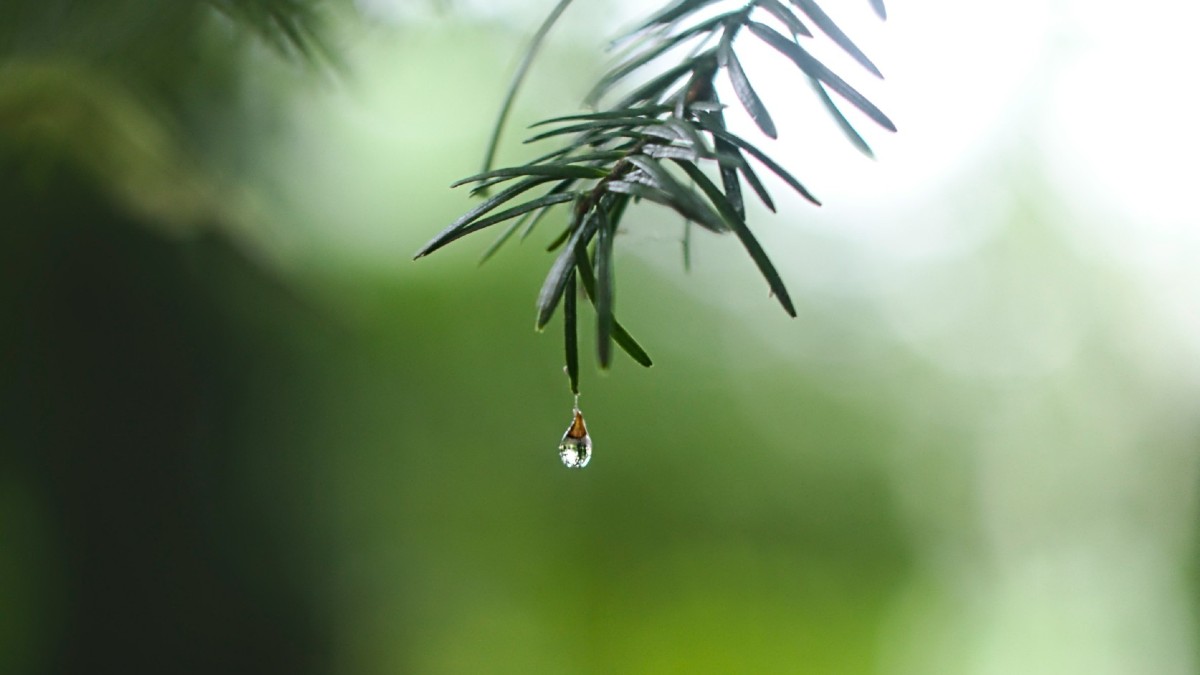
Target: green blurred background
x=241 y=432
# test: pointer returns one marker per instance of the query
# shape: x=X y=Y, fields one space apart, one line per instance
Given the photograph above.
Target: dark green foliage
x=827 y=26
x=815 y=69
x=287 y=25
x=146 y=98
x=622 y=337
x=741 y=86
x=658 y=143
x=570 y=334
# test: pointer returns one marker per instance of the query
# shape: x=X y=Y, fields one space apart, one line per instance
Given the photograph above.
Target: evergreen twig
x=655 y=144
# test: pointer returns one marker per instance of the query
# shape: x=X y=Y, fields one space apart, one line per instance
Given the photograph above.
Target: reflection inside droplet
x=575 y=450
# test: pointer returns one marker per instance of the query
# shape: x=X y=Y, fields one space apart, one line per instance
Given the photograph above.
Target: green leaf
x=663 y=132
x=718 y=199
x=662 y=151
x=570 y=333
x=565 y=157
x=452 y=232
x=786 y=17
x=656 y=86
x=532 y=205
x=848 y=129
x=741 y=85
x=672 y=13
x=703 y=216
x=665 y=151
x=733 y=188
x=661 y=178
x=560 y=239
x=532 y=218
x=556 y=280
x=760 y=190
x=729 y=175
x=735 y=193
x=687 y=132
x=596 y=125
x=628 y=66
x=558 y=171
x=504 y=237
x=831 y=29
x=526 y=60
x=534 y=223
x=617 y=140
x=788 y=178
x=686 y=202
x=604 y=286
x=630 y=346
x=560 y=188
x=594 y=159
x=816 y=69
x=622 y=337
x=616 y=206
x=606 y=115
x=743 y=233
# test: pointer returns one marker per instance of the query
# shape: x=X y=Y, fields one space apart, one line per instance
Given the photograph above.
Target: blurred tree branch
x=119 y=91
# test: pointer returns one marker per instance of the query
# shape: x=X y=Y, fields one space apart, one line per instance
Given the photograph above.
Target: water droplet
x=575 y=450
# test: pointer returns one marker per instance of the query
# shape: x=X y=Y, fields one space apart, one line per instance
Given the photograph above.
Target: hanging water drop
x=575 y=450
